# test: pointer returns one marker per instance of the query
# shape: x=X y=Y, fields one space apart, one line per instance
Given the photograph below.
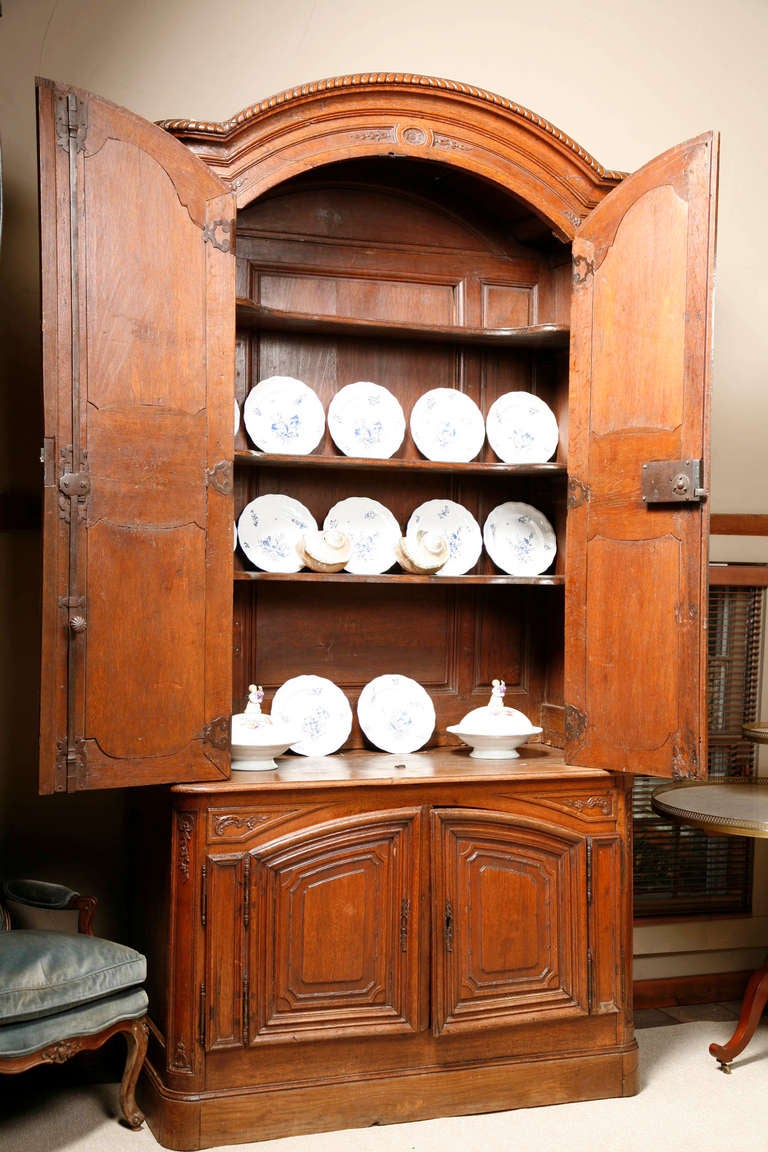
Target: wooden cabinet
x=357 y=920
x=406 y=941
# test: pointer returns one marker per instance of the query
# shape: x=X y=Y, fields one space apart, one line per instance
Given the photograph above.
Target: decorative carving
x=377 y=135
x=582 y=804
x=229 y=127
x=184 y=827
x=60 y=1052
x=441 y=141
x=220 y=477
x=181 y=1061
x=239 y=825
x=578 y=492
x=575 y=724
x=219 y=234
x=414 y=135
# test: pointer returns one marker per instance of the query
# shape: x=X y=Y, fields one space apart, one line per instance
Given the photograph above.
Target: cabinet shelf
x=396 y=578
x=254 y=458
x=539 y=336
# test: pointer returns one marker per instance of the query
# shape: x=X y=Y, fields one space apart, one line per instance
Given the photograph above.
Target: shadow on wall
x=78 y=840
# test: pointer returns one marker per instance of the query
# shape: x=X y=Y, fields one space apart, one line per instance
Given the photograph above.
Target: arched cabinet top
x=402 y=115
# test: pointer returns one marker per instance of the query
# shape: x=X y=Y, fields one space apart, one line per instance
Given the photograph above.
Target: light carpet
x=684 y=1104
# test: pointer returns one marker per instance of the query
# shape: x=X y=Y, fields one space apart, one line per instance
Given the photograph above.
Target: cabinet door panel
x=636 y=570
x=138 y=311
x=509 y=915
x=335 y=930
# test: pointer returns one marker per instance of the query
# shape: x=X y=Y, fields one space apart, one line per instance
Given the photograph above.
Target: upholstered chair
x=66 y=992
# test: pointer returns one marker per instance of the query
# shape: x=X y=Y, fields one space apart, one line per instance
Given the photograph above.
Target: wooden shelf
x=394 y=578
x=254 y=458
x=255 y=316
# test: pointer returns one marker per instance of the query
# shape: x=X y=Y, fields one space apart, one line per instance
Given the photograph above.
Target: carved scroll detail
x=184 y=827
x=582 y=804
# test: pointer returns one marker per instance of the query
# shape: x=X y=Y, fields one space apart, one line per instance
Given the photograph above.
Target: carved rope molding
x=225 y=128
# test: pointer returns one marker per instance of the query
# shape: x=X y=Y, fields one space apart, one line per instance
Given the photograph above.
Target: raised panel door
x=138 y=317
x=509 y=920
x=335 y=930
x=636 y=572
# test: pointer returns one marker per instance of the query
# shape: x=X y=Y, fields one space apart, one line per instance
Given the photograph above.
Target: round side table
x=732 y=808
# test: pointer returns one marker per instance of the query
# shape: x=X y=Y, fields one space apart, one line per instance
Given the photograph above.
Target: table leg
x=755 y=999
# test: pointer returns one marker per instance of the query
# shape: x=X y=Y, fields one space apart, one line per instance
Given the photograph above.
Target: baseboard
x=705 y=988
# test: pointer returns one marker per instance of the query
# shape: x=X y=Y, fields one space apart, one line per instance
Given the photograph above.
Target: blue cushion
x=44 y=972
x=28 y=1036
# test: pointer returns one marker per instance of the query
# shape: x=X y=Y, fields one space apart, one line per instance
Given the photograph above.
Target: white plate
x=283 y=415
x=522 y=429
x=447 y=425
x=519 y=539
x=318 y=709
x=366 y=419
x=373 y=530
x=237 y=417
x=460 y=529
x=396 y=714
x=270 y=529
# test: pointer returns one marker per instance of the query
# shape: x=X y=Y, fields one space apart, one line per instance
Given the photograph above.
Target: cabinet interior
x=414 y=275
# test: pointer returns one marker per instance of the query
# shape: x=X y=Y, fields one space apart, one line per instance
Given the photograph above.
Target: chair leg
x=136 y=1037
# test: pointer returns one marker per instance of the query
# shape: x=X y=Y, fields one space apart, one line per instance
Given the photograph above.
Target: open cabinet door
x=138 y=346
x=635 y=668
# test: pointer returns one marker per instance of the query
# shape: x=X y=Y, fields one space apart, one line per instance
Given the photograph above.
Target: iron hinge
x=673 y=482
x=71 y=122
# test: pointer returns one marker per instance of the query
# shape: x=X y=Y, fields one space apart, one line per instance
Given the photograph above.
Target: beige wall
x=624 y=80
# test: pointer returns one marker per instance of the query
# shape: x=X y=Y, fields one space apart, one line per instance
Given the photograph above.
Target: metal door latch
x=673 y=482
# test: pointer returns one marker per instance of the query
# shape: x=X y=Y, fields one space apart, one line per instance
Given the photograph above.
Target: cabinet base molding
x=203 y=1120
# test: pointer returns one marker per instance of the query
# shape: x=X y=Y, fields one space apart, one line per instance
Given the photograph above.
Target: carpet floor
x=685 y=1103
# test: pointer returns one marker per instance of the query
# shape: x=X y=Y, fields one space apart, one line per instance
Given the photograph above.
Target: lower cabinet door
x=509 y=920
x=333 y=939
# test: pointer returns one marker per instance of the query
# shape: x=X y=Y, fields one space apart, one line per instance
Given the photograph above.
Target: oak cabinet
x=418 y=939
x=329 y=934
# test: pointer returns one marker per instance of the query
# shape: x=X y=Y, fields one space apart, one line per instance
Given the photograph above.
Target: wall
x=625 y=81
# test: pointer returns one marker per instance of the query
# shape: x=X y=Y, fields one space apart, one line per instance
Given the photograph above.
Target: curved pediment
x=402 y=115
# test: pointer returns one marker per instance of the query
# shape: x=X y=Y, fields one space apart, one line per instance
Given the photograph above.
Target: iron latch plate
x=672 y=482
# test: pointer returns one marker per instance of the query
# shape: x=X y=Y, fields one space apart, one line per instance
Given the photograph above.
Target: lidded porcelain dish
x=424 y=553
x=256 y=738
x=495 y=732
x=325 y=550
